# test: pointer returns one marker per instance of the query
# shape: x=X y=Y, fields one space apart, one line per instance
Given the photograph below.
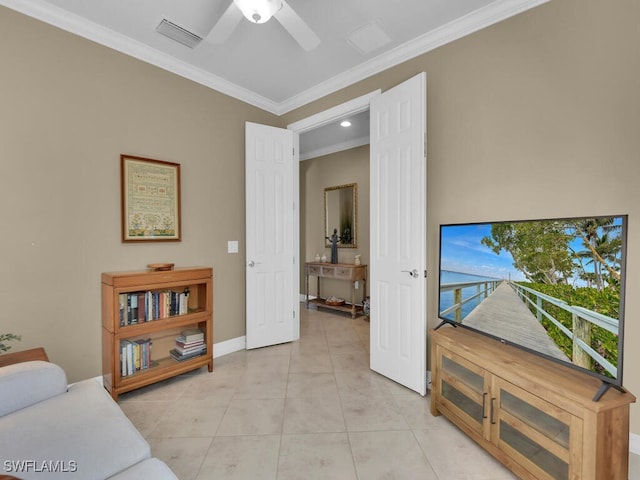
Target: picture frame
x=150 y=200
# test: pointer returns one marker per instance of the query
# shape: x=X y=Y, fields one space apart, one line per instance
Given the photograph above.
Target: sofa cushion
x=24 y=384
x=82 y=430
x=150 y=469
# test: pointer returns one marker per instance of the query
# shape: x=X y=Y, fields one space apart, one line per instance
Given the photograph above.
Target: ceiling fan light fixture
x=258 y=11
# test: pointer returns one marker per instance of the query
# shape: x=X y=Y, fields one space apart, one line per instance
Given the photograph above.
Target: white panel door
x=269 y=235
x=398 y=234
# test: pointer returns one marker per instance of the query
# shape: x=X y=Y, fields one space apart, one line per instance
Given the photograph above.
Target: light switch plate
x=232 y=246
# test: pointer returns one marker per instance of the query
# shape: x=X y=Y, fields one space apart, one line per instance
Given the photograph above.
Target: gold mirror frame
x=341 y=213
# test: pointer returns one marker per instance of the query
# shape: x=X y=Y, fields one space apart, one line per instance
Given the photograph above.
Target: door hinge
x=294 y=314
x=424 y=137
x=425 y=274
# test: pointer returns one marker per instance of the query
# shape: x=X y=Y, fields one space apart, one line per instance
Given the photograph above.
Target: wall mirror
x=341 y=214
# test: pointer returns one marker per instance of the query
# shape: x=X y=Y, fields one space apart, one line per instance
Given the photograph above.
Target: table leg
x=306 y=291
x=353 y=299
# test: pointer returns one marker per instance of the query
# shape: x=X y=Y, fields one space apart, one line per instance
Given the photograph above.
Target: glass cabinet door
x=462 y=387
x=534 y=432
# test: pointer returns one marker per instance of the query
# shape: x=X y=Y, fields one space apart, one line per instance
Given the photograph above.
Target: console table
x=338 y=271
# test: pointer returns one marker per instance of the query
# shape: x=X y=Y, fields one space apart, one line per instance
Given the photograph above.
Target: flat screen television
x=554 y=287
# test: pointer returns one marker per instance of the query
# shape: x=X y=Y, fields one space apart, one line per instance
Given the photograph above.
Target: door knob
x=252 y=264
x=414 y=273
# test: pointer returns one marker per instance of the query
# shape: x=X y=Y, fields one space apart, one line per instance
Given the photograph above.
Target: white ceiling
x=262 y=64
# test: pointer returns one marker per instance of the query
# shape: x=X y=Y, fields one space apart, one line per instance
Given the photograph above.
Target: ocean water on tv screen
x=446 y=297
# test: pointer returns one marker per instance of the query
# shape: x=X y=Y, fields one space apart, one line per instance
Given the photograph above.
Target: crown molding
x=454 y=30
x=351 y=107
x=65 y=20
x=482 y=18
x=334 y=148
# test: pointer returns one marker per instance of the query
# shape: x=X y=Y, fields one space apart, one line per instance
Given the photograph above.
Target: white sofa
x=49 y=429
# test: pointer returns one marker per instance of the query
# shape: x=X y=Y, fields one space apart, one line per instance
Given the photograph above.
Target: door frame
x=352 y=107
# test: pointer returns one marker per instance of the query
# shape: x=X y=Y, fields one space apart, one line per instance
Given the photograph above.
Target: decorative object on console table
x=150 y=191
x=339 y=271
x=176 y=301
x=535 y=416
x=334 y=239
x=335 y=301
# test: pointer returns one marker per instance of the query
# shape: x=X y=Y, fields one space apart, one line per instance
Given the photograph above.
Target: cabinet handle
x=493 y=401
x=484 y=405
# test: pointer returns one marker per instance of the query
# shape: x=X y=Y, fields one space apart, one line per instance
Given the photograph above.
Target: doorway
x=347 y=158
x=398 y=225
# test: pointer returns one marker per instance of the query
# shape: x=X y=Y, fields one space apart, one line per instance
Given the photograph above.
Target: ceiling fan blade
x=228 y=22
x=297 y=27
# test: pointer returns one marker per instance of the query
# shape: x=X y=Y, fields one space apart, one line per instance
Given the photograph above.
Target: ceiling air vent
x=368 y=38
x=178 y=33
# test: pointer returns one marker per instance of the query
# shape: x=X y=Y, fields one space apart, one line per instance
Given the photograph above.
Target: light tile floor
x=310 y=409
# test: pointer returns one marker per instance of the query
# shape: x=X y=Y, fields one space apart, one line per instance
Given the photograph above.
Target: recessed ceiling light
x=345 y=123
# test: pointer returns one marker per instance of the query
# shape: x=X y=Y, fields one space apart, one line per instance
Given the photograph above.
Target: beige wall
x=537 y=116
x=69 y=109
x=349 y=166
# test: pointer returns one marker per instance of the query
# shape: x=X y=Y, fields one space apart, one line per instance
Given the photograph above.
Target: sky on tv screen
x=462 y=251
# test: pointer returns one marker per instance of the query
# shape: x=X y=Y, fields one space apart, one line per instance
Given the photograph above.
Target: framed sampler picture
x=150 y=200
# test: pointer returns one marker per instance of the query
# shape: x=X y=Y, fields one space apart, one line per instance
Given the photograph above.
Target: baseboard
x=219 y=349
x=229 y=346
x=634 y=443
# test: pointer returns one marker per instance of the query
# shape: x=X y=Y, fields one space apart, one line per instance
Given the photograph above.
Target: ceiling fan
x=261 y=11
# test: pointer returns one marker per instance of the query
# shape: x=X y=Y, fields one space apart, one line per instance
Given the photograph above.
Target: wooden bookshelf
x=160 y=325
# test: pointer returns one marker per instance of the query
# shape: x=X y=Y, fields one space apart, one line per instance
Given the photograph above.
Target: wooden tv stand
x=535 y=416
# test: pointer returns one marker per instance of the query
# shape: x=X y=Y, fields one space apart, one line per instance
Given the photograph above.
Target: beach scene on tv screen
x=551 y=286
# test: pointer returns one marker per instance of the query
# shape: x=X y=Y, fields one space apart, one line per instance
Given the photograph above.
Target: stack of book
x=135 y=355
x=189 y=345
x=140 y=307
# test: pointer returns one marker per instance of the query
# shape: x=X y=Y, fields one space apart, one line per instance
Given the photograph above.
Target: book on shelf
x=140 y=307
x=182 y=344
x=135 y=355
x=189 y=344
x=179 y=357
x=195 y=348
x=191 y=335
